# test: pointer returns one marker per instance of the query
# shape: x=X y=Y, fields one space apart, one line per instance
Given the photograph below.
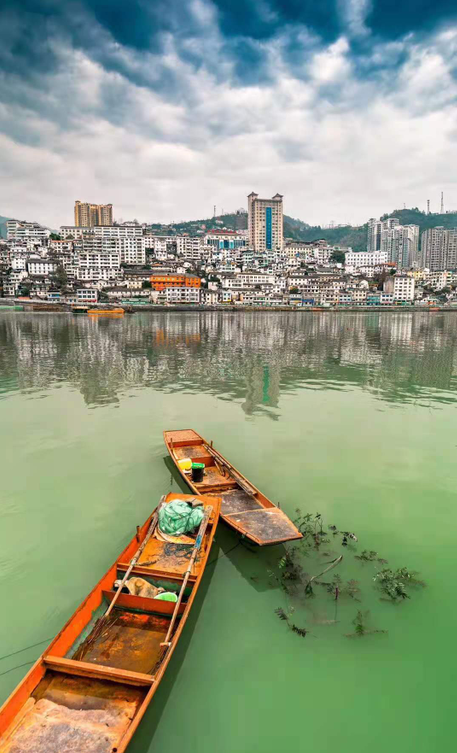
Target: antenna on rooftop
x=442 y=202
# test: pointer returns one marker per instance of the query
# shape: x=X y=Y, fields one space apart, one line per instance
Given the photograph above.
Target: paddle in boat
x=243 y=507
x=90 y=688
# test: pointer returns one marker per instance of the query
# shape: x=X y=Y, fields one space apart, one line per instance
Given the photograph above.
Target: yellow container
x=185 y=464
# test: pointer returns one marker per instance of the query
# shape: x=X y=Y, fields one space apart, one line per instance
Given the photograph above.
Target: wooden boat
x=94 y=705
x=243 y=506
x=106 y=312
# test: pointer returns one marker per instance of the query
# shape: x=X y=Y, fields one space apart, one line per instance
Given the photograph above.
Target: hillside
x=293 y=228
x=425 y=221
x=3 y=226
x=356 y=237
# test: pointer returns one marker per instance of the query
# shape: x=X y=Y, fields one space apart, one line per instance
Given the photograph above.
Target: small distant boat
x=79 y=310
x=94 y=703
x=244 y=507
x=106 y=312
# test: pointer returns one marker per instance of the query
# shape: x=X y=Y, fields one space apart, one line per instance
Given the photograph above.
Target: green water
x=353 y=416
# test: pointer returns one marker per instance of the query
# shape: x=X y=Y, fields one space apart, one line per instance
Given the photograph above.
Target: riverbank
x=58 y=308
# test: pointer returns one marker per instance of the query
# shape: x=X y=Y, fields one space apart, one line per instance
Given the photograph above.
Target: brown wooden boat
x=243 y=506
x=106 y=312
x=94 y=704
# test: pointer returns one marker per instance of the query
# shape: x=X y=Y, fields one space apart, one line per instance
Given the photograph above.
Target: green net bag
x=178 y=517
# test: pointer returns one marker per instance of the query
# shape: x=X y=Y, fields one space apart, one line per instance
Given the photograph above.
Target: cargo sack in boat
x=179 y=517
x=140 y=587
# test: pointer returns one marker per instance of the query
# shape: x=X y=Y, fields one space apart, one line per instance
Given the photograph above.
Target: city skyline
x=168 y=109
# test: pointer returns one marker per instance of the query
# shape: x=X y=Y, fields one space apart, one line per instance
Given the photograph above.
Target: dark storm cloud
x=103 y=27
x=392 y=19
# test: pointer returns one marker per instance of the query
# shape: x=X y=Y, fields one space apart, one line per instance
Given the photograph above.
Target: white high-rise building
x=399 y=242
x=376 y=230
x=433 y=248
x=439 y=248
x=451 y=249
x=265 y=223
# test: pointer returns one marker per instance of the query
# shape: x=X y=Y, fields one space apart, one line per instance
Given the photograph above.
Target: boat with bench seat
x=243 y=507
x=90 y=688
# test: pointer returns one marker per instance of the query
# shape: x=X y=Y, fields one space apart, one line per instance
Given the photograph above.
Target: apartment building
x=36 y=265
x=265 y=222
x=182 y=295
x=401 y=243
x=433 y=248
x=71 y=232
x=163 y=281
x=401 y=286
x=17 y=230
x=377 y=230
x=89 y=215
x=365 y=258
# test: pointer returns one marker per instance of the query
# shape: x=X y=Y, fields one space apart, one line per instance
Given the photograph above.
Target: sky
x=165 y=108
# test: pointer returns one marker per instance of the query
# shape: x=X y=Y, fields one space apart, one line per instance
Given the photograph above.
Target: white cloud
x=355 y=13
x=338 y=147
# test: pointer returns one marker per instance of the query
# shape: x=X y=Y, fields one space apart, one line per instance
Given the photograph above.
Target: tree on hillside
x=55 y=237
x=338 y=257
x=59 y=278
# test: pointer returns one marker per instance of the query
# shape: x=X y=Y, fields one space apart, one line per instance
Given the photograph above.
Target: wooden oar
x=102 y=621
x=134 y=560
x=198 y=541
x=245 y=485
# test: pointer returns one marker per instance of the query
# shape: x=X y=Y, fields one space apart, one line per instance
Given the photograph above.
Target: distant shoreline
x=47 y=308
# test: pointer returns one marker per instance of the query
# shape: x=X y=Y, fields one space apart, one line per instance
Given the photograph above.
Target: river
x=349 y=415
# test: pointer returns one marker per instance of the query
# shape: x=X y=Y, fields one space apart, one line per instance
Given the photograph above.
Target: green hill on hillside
x=3 y=220
x=425 y=221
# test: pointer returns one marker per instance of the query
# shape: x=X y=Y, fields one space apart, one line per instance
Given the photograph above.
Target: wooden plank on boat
x=142 y=604
x=158 y=573
x=244 y=507
x=86 y=669
x=94 y=704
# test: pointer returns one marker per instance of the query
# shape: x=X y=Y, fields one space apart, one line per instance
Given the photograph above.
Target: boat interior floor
x=67 y=713
x=191 y=451
x=132 y=642
x=168 y=557
x=268 y=525
x=237 y=500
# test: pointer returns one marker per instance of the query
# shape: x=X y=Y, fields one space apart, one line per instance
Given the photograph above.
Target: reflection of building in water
x=163 y=338
x=251 y=358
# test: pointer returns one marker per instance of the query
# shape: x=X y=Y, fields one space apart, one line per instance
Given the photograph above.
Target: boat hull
x=94 y=689
x=243 y=507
